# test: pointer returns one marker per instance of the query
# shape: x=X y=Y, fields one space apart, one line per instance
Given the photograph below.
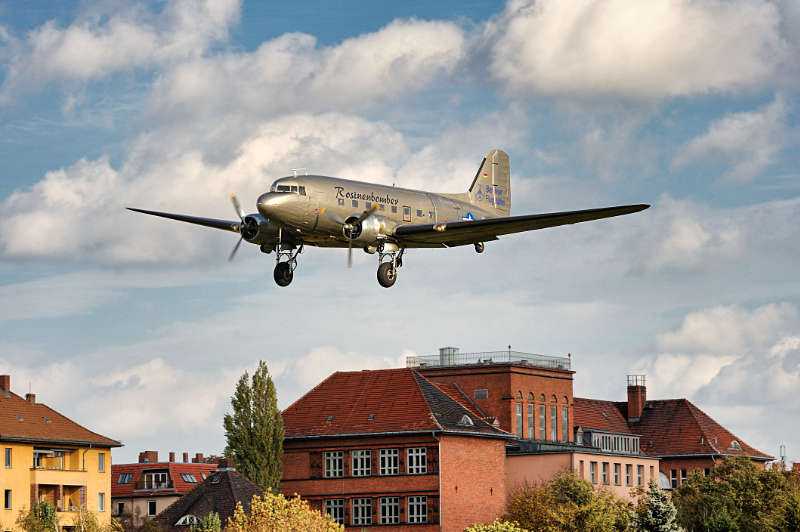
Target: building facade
x=141 y=491
x=48 y=457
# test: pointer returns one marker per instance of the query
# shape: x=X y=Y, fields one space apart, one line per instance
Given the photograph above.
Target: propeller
x=349 y=227
x=238 y=208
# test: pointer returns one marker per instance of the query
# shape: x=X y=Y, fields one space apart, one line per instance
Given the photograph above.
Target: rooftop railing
x=454 y=358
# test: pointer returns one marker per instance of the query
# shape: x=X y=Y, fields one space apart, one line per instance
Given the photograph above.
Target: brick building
x=143 y=490
x=439 y=445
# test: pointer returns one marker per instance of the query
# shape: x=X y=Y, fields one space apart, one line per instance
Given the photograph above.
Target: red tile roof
x=379 y=402
x=175 y=469
x=671 y=427
x=26 y=421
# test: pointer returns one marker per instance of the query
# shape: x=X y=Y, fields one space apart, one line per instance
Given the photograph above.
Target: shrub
x=275 y=513
x=496 y=526
x=655 y=511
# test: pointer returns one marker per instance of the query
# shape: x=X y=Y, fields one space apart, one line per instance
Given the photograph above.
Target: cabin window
x=294 y=189
x=381 y=206
x=368 y=205
x=340 y=201
x=419 y=213
x=394 y=209
x=302 y=190
x=355 y=203
x=406 y=214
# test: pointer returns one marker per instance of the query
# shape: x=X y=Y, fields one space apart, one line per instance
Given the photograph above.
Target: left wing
x=225 y=225
x=467 y=232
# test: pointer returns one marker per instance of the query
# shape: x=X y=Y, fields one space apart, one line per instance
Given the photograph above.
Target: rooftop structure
x=451 y=356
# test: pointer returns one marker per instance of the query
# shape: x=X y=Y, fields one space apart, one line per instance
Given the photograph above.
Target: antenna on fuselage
x=295 y=170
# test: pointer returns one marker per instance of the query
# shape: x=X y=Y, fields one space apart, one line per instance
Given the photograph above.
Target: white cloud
x=749 y=142
x=100 y=44
x=653 y=49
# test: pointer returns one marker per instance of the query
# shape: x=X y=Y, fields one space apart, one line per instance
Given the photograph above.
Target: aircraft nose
x=269 y=202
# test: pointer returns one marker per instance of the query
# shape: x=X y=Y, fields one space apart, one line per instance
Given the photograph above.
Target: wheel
x=479 y=247
x=387 y=274
x=283 y=274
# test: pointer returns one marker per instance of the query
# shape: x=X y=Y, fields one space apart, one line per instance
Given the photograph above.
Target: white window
x=101 y=502
x=640 y=474
x=417 y=461
x=683 y=476
x=628 y=474
x=151 y=509
x=390 y=510
x=362 y=511
x=605 y=472
x=188 y=477
x=564 y=423
x=335 y=509
x=362 y=463
x=519 y=420
x=530 y=421
x=390 y=461
x=124 y=478
x=156 y=481
x=101 y=462
x=673 y=478
x=542 y=428
x=334 y=464
x=617 y=474
x=554 y=423
x=8 y=457
x=593 y=472
x=188 y=520
x=418 y=509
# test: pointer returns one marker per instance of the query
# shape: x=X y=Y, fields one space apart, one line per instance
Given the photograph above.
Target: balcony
x=58 y=475
x=451 y=357
x=154 y=485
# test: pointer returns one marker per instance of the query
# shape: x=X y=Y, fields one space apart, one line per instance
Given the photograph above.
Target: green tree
x=208 y=523
x=40 y=518
x=655 y=511
x=568 y=504
x=254 y=430
x=274 y=512
x=736 y=495
x=496 y=526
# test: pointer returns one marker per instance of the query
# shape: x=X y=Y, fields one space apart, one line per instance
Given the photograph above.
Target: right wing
x=467 y=232
x=207 y=222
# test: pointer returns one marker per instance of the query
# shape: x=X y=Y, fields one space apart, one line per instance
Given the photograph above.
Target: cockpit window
x=294 y=188
x=302 y=190
x=284 y=188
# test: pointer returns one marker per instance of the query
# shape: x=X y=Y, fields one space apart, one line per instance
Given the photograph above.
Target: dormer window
x=188 y=520
x=466 y=421
x=735 y=446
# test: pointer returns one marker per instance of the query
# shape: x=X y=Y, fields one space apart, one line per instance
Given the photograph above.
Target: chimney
x=198 y=458
x=148 y=457
x=185 y=458
x=171 y=457
x=637 y=397
x=31 y=398
x=5 y=383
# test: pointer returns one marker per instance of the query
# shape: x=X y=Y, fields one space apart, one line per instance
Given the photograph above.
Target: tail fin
x=491 y=188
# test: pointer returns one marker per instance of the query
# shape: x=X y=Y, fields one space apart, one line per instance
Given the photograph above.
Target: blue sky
x=693 y=108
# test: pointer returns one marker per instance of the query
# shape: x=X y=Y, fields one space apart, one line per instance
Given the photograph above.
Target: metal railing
x=452 y=358
x=154 y=485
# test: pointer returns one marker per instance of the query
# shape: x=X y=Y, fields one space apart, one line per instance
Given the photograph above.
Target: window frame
x=604 y=473
x=331 y=505
x=531 y=427
x=393 y=516
x=593 y=472
x=553 y=422
x=406 y=213
x=629 y=474
x=388 y=461
x=542 y=422
x=518 y=417
x=8 y=499
x=155 y=506
x=565 y=423
x=640 y=474
x=418 y=502
x=101 y=501
x=617 y=474
x=361 y=511
x=329 y=458
x=361 y=463
x=101 y=462
x=417 y=460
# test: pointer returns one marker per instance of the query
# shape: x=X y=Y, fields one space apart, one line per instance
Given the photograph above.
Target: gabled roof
x=27 y=421
x=379 y=402
x=175 y=469
x=220 y=493
x=670 y=427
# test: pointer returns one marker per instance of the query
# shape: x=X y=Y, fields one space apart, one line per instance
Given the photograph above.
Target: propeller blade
x=366 y=214
x=349 y=253
x=235 y=249
x=237 y=206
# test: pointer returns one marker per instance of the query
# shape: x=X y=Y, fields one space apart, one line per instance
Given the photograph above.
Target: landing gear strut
x=390 y=258
x=285 y=262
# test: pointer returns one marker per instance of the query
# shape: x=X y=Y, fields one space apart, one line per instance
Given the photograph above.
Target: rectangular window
x=8 y=457
x=302 y=190
x=684 y=476
x=368 y=205
x=554 y=423
x=530 y=421
x=406 y=214
x=481 y=393
x=390 y=461
x=124 y=478
x=101 y=462
x=381 y=207
x=394 y=209
x=605 y=473
x=390 y=510
x=418 y=509
x=334 y=464
x=707 y=471
x=519 y=420
x=362 y=511
x=564 y=423
x=652 y=473
x=542 y=428
x=340 y=201
x=593 y=472
x=617 y=474
x=673 y=478
x=120 y=508
x=354 y=203
x=419 y=213
x=628 y=474
x=7 y=500
x=101 y=502
x=335 y=509
x=151 y=509
x=581 y=472
x=362 y=463
x=640 y=474
x=417 y=461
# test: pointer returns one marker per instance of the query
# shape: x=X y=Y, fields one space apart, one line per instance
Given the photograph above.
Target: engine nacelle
x=256 y=229
x=370 y=231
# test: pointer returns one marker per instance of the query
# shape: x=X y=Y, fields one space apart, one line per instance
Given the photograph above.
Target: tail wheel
x=283 y=274
x=387 y=274
x=479 y=247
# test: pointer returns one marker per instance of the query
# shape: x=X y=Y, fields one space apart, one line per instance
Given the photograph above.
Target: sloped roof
x=379 y=402
x=669 y=427
x=219 y=493
x=175 y=469
x=26 y=421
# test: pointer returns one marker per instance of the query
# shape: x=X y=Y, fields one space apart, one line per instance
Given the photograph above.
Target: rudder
x=491 y=188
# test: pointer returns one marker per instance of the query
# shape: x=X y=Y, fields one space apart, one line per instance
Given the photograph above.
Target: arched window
x=565 y=399
x=735 y=446
x=554 y=399
x=187 y=520
x=531 y=397
x=519 y=396
x=542 y=399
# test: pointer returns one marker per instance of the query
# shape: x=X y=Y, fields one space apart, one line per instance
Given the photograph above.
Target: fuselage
x=313 y=208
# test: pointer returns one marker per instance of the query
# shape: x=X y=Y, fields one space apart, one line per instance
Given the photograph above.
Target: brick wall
x=472 y=474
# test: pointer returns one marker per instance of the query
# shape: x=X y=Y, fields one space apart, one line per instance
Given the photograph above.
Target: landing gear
x=479 y=247
x=390 y=258
x=285 y=261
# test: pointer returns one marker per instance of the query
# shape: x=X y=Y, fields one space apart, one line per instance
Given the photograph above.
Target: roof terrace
x=451 y=356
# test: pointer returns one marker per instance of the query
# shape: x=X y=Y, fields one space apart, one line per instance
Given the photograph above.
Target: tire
x=479 y=247
x=387 y=274
x=283 y=274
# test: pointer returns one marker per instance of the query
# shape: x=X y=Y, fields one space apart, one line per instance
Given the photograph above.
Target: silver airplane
x=330 y=212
